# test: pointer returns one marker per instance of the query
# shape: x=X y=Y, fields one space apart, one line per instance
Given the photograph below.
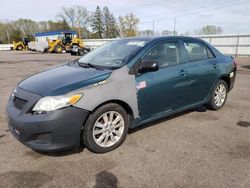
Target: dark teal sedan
x=124 y=84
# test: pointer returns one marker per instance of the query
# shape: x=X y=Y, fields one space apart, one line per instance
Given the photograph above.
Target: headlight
x=48 y=104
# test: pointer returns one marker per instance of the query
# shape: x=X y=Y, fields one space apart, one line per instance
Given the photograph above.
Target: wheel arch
x=123 y=104
x=223 y=77
x=226 y=79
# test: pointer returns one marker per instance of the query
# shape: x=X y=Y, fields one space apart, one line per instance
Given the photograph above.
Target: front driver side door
x=163 y=91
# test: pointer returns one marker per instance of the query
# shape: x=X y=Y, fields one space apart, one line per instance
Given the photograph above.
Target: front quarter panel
x=119 y=86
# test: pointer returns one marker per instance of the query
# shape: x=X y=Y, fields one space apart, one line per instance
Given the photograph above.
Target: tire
x=19 y=47
x=58 y=48
x=73 y=53
x=96 y=130
x=81 y=52
x=73 y=49
x=218 y=96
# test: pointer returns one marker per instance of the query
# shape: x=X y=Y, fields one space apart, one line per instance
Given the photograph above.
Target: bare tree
x=128 y=25
x=78 y=17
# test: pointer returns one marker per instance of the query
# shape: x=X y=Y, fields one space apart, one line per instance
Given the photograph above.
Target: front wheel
x=19 y=47
x=106 y=128
x=218 y=96
x=58 y=48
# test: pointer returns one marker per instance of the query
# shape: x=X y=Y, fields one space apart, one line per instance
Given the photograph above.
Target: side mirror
x=148 y=66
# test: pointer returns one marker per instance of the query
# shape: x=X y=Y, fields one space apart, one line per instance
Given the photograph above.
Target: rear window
x=198 y=51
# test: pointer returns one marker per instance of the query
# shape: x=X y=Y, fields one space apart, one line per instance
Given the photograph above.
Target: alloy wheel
x=108 y=129
x=220 y=95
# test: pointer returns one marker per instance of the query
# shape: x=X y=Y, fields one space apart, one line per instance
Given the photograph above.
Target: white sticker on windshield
x=136 y=43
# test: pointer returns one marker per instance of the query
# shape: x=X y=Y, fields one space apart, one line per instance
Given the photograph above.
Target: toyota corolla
x=122 y=85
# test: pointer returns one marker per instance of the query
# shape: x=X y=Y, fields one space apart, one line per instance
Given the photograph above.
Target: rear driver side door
x=203 y=70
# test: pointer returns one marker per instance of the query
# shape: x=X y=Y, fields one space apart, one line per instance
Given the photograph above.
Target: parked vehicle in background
x=56 y=41
x=80 y=51
x=21 y=45
x=123 y=84
x=64 y=42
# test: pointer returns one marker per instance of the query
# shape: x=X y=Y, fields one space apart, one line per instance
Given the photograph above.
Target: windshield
x=114 y=54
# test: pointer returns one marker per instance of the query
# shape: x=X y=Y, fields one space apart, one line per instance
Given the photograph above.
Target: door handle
x=216 y=66
x=183 y=73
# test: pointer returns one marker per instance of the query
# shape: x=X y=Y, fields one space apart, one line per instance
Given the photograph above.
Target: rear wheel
x=58 y=49
x=218 y=96
x=106 y=128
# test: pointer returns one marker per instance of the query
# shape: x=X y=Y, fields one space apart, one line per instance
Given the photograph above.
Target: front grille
x=19 y=103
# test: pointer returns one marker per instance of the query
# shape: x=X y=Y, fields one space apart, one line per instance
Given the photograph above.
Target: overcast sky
x=232 y=15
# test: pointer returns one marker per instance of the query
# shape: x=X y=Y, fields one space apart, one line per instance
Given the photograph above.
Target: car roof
x=154 y=38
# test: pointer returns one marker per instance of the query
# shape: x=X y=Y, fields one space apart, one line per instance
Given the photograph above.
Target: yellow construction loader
x=21 y=45
x=65 y=42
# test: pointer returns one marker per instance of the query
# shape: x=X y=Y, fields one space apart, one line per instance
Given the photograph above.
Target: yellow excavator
x=65 y=42
x=21 y=45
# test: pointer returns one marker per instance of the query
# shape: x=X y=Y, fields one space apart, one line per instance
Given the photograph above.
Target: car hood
x=63 y=79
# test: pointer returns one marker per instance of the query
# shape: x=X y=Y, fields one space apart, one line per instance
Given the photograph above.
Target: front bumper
x=57 y=130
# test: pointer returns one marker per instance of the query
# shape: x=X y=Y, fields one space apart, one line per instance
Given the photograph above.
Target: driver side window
x=166 y=54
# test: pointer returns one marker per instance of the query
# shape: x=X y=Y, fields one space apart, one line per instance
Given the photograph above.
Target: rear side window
x=197 y=51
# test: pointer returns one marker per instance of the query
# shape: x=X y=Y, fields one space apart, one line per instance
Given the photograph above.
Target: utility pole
x=174 y=26
x=153 y=27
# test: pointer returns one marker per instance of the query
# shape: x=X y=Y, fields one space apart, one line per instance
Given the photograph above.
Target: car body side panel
x=119 y=86
x=165 y=91
x=202 y=76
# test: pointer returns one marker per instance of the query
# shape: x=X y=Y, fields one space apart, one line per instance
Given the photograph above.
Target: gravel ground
x=191 y=149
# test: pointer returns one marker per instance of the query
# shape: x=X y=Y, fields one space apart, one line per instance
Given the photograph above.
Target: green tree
x=26 y=26
x=128 y=25
x=211 y=30
x=3 y=36
x=43 y=26
x=147 y=32
x=60 y=25
x=97 y=24
x=114 y=27
x=110 y=25
x=9 y=33
x=106 y=22
x=15 y=35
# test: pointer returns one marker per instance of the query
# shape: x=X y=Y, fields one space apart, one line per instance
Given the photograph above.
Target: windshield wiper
x=88 y=65
x=77 y=62
x=95 y=66
x=85 y=65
